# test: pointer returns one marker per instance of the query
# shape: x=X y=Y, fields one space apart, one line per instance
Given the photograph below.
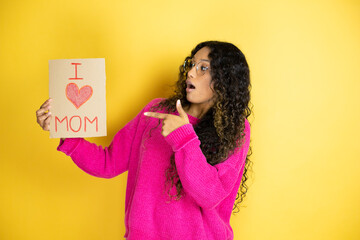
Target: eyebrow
x=207 y=60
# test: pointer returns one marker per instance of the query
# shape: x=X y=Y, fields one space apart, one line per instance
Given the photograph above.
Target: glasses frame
x=198 y=72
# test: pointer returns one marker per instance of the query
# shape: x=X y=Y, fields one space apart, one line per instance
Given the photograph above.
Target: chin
x=195 y=100
x=191 y=99
x=187 y=98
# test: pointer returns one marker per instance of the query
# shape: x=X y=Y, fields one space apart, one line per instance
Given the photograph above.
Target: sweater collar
x=193 y=120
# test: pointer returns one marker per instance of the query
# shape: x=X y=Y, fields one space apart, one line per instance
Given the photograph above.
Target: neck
x=197 y=110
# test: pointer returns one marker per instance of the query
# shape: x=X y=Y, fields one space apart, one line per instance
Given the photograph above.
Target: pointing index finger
x=155 y=115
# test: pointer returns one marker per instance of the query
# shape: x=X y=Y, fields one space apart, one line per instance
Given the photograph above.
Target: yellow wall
x=304 y=62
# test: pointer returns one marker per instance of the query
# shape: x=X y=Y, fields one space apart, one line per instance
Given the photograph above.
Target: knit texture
x=210 y=191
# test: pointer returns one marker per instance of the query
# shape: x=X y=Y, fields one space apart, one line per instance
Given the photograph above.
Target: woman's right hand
x=44 y=117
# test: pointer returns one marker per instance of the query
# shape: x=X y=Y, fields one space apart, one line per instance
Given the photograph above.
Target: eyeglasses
x=201 y=67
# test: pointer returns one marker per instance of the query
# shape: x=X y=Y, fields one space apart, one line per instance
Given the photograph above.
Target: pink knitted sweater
x=210 y=191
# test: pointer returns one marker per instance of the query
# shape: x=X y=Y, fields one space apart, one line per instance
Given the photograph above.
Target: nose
x=192 y=72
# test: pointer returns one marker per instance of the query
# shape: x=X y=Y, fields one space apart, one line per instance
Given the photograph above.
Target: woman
x=185 y=155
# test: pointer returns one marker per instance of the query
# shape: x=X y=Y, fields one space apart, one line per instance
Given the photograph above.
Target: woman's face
x=199 y=87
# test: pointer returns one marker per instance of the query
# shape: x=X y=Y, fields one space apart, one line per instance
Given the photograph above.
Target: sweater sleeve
x=105 y=162
x=207 y=184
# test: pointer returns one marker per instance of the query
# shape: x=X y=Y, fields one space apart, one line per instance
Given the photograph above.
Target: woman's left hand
x=171 y=122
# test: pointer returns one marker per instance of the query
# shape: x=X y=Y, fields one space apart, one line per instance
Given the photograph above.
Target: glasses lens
x=187 y=64
x=202 y=67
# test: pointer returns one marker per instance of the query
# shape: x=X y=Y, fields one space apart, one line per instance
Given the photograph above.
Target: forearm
x=91 y=158
x=207 y=184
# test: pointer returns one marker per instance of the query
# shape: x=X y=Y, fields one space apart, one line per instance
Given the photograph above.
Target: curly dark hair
x=221 y=129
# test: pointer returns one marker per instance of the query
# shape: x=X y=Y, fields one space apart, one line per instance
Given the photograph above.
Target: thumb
x=180 y=110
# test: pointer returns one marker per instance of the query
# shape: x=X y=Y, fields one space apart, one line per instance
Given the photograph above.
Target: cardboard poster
x=77 y=87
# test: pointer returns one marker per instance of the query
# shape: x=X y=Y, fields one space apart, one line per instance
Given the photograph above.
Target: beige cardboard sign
x=77 y=87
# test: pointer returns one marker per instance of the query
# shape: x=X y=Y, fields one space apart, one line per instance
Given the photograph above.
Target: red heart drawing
x=76 y=96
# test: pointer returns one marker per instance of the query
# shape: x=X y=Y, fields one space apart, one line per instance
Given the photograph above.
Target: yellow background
x=305 y=67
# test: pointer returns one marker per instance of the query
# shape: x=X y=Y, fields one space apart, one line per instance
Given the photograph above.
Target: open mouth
x=191 y=86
